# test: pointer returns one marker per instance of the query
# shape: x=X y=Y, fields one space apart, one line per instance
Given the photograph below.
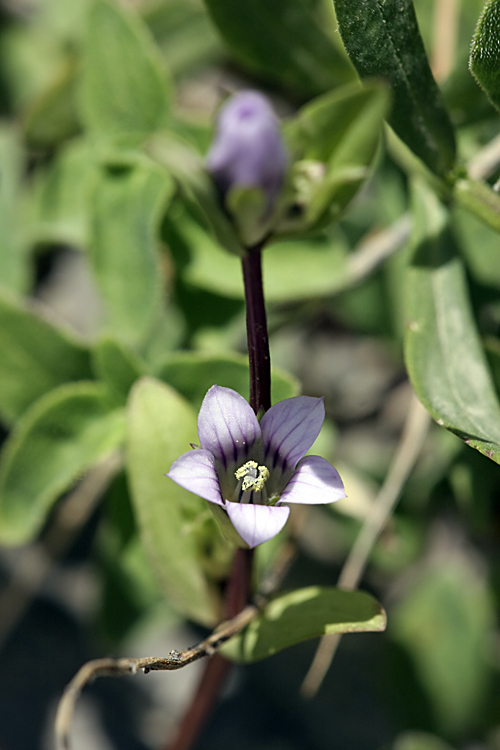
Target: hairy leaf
x=485 y=51
x=383 y=40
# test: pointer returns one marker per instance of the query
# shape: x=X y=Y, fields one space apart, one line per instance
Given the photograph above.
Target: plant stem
x=257 y=336
x=238 y=589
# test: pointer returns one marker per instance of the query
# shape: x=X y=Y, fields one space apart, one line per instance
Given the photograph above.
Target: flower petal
x=195 y=471
x=257 y=523
x=227 y=425
x=289 y=429
x=315 y=482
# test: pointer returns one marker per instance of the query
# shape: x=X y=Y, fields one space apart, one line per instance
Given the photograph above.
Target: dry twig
x=444 y=43
x=125 y=665
x=405 y=457
x=175 y=659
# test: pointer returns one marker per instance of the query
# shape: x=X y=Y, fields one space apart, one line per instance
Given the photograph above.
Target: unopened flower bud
x=248 y=150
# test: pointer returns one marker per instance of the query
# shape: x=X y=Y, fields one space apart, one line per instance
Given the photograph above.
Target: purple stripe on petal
x=257 y=523
x=315 y=482
x=195 y=471
x=290 y=427
x=227 y=425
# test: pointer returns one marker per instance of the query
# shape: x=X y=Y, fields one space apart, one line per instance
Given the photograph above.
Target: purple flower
x=248 y=150
x=251 y=470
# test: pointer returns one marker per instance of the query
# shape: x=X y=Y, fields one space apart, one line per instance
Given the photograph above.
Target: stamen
x=254 y=476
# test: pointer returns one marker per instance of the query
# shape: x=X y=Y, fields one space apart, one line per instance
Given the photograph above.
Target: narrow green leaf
x=54 y=443
x=383 y=40
x=127 y=205
x=485 y=51
x=36 y=357
x=445 y=360
x=161 y=425
x=124 y=84
x=117 y=366
x=284 y=41
x=193 y=373
x=302 y=614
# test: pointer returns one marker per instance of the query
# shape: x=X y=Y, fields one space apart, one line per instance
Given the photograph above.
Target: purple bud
x=248 y=150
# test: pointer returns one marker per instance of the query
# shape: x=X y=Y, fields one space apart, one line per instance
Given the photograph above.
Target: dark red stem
x=202 y=703
x=238 y=589
x=258 y=341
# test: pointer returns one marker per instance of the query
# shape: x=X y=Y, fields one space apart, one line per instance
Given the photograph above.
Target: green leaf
x=480 y=200
x=118 y=366
x=193 y=373
x=52 y=115
x=60 y=205
x=485 y=51
x=124 y=86
x=36 y=357
x=303 y=614
x=247 y=206
x=292 y=269
x=63 y=434
x=333 y=128
x=445 y=621
x=184 y=34
x=284 y=41
x=161 y=425
x=383 y=41
x=333 y=140
x=127 y=206
x=445 y=360
x=13 y=256
x=186 y=165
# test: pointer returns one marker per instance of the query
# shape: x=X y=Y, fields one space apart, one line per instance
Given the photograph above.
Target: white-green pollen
x=254 y=476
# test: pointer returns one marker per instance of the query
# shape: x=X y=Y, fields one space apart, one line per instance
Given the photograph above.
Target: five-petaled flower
x=253 y=470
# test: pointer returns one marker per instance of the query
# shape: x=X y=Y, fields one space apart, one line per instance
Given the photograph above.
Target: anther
x=254 y=476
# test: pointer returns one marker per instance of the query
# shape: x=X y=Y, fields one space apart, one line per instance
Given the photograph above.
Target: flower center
x=254 y=476
x=251 y=480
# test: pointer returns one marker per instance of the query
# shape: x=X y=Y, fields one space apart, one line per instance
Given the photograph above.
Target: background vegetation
x=120 y=307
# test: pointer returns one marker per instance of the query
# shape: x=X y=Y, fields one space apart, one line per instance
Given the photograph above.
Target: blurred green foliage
x=107 y=110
